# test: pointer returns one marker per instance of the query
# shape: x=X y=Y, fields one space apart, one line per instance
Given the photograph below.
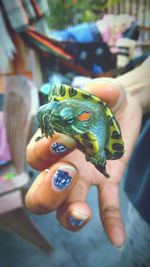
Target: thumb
x=109 y=90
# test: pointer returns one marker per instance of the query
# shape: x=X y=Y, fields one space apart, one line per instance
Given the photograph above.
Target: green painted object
x=87 y=119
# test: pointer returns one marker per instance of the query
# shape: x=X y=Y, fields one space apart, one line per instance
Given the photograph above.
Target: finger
x=51 y=188
x=110 y=214
x=75 y=212
x=73 y=216
x=109 y=90
x=44 y=152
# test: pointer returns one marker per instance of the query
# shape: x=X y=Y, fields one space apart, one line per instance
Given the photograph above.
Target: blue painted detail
x=62 y=179
x=59 y=148
x=45 y=88
x=75 y=222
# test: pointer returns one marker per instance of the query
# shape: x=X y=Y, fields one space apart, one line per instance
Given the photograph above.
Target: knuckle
x=111 y=212
x=35 y=204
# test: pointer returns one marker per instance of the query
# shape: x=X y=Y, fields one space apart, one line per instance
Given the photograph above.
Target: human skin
x=43 y=197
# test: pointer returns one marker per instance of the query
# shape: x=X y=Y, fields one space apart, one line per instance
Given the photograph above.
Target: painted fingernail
x=59 y=148
x=63 y=177
x=78 y=215
x=74 y=222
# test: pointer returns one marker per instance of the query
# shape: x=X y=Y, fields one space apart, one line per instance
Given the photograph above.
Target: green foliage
x=64 y=13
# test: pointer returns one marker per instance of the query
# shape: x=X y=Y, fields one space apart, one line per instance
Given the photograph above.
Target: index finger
x=46 y=151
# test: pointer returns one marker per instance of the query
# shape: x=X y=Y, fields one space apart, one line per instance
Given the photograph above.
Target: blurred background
x=66 y=41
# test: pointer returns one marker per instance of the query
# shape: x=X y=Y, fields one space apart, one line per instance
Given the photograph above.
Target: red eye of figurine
x=84 y=116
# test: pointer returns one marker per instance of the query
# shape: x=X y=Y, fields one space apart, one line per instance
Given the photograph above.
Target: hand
x=66 y=176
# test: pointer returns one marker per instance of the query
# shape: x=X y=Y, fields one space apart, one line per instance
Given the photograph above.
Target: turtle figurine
x=87 y=119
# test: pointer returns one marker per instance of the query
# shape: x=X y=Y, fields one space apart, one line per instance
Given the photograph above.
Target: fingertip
x=117 y=236
x=105 y=88
x=33 y=199
x=74 y=216
x=110 y=213
x=114 y=227
x=37 y=152
x=35 y=205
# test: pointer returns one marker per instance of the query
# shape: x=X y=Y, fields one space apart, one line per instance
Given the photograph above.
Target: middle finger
x=51 y=188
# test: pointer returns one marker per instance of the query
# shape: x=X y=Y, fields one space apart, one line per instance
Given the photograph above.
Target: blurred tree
x=64 y=13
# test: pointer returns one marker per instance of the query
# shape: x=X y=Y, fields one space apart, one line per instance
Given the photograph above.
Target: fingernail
x=63 y=144
x=59 y=148
x=78 y=215
x=63 y=177
x=118 y=238
x=77 y=218
x=119 y=248
x=75 y=222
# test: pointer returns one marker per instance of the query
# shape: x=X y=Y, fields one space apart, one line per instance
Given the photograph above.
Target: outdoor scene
x=74 y=133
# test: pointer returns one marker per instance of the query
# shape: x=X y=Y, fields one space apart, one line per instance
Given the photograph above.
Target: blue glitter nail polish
x=59 y=148
x=75 y=222
x=62 y=179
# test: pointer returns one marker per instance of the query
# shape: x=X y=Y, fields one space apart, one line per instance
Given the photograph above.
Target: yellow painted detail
x=90 y=137
x=85 y=143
